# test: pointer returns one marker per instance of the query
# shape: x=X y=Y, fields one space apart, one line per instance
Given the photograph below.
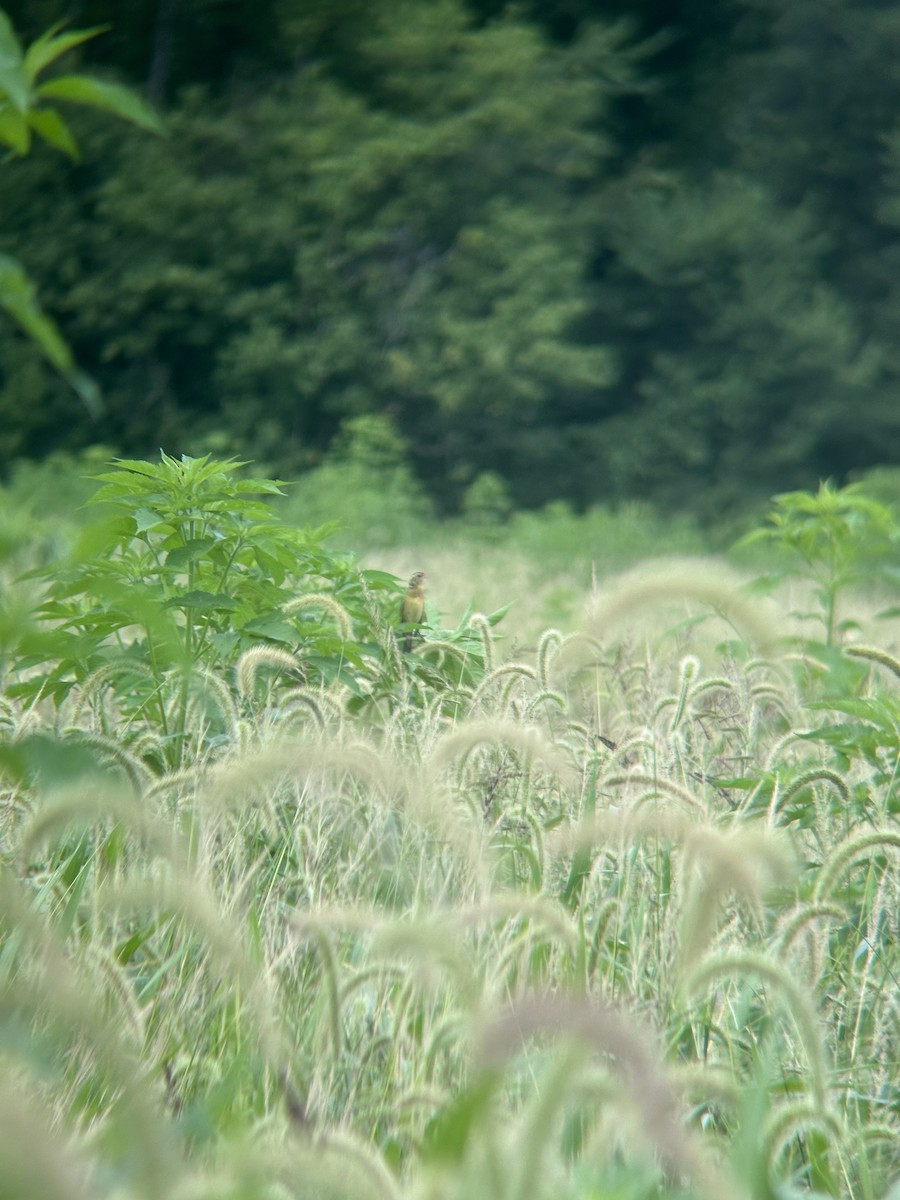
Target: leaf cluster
x=186 y=570
x=26 y=108
x=841 y=537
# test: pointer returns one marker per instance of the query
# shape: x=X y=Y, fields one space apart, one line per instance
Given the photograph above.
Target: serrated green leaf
x=99 y=538
x=225 y=644
x=274 y=566
x=189 y=552
x=333 y=671
x=880 y=712
x=135 y=465
x=381 y=579
x=275 y=629
x=271 y=487
x=144 y=519
x=320 y=532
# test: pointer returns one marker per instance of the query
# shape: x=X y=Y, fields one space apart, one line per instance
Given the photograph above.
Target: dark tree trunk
x=163 y=42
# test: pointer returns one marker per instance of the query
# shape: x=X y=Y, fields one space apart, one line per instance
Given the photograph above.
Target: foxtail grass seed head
x=600 y=910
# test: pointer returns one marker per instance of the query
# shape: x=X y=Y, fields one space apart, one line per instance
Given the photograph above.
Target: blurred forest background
x=491 y=256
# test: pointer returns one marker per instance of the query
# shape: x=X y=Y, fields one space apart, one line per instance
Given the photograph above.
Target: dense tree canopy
x=601 y=249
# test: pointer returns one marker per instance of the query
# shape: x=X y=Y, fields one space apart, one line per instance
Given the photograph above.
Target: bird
x=412 y=608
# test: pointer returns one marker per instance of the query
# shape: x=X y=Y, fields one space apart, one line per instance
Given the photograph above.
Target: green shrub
x=185 y=573
x=365 y=486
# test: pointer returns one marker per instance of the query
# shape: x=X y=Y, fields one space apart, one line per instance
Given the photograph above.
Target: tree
x=305 y=253
x=651 y=258
x=739 y=361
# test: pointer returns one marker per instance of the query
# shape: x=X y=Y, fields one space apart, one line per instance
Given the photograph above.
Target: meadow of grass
x=607 y=909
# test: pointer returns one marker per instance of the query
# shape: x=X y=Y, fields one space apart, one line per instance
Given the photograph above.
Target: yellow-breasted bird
x=412 y=608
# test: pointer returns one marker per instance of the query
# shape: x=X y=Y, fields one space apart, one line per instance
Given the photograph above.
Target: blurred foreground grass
x=612 y=918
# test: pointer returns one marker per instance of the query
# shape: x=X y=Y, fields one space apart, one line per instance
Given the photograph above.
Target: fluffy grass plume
x=539 y=932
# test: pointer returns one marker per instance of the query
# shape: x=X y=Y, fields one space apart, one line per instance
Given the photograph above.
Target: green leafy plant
x=24 y=99
x=841 y=536
x=27 y=108
x=186 y=571
x=365 y=483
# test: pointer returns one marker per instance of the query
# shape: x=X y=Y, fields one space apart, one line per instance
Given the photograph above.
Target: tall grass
x=621 y=921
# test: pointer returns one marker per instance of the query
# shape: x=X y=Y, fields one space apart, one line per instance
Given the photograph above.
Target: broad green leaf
x=151 y=470
x=47 y=762
x=225 y=644
x=380 y=579
x=273 y=628
x=12 y=76
x=53 y=129
x=495 y=617
x=17 y=296
x=274 y=567
x=144 y=519
x=52 y=44
x=271 y=487
x=847 y=738
x=111 y=97
x=880 y=712
x=14 y=130
x=320 y=532
x=189 y=552
x=334 y=672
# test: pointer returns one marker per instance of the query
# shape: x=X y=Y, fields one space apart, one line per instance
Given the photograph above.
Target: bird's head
x=417 y=579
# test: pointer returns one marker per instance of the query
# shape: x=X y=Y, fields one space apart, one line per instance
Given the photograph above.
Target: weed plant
x=287 y=912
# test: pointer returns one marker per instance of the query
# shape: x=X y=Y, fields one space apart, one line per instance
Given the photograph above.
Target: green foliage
x=722 y=418
x=883 y=485
x=606 y=537
x=23 y=111
x=354 y=295
x=486 y=501
x=186 y=571
x=476 y=229
x=58 y=487
x=23 y=107
x=18 y=297
x=366 y=486
x=841 y=536
x=507 y=263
